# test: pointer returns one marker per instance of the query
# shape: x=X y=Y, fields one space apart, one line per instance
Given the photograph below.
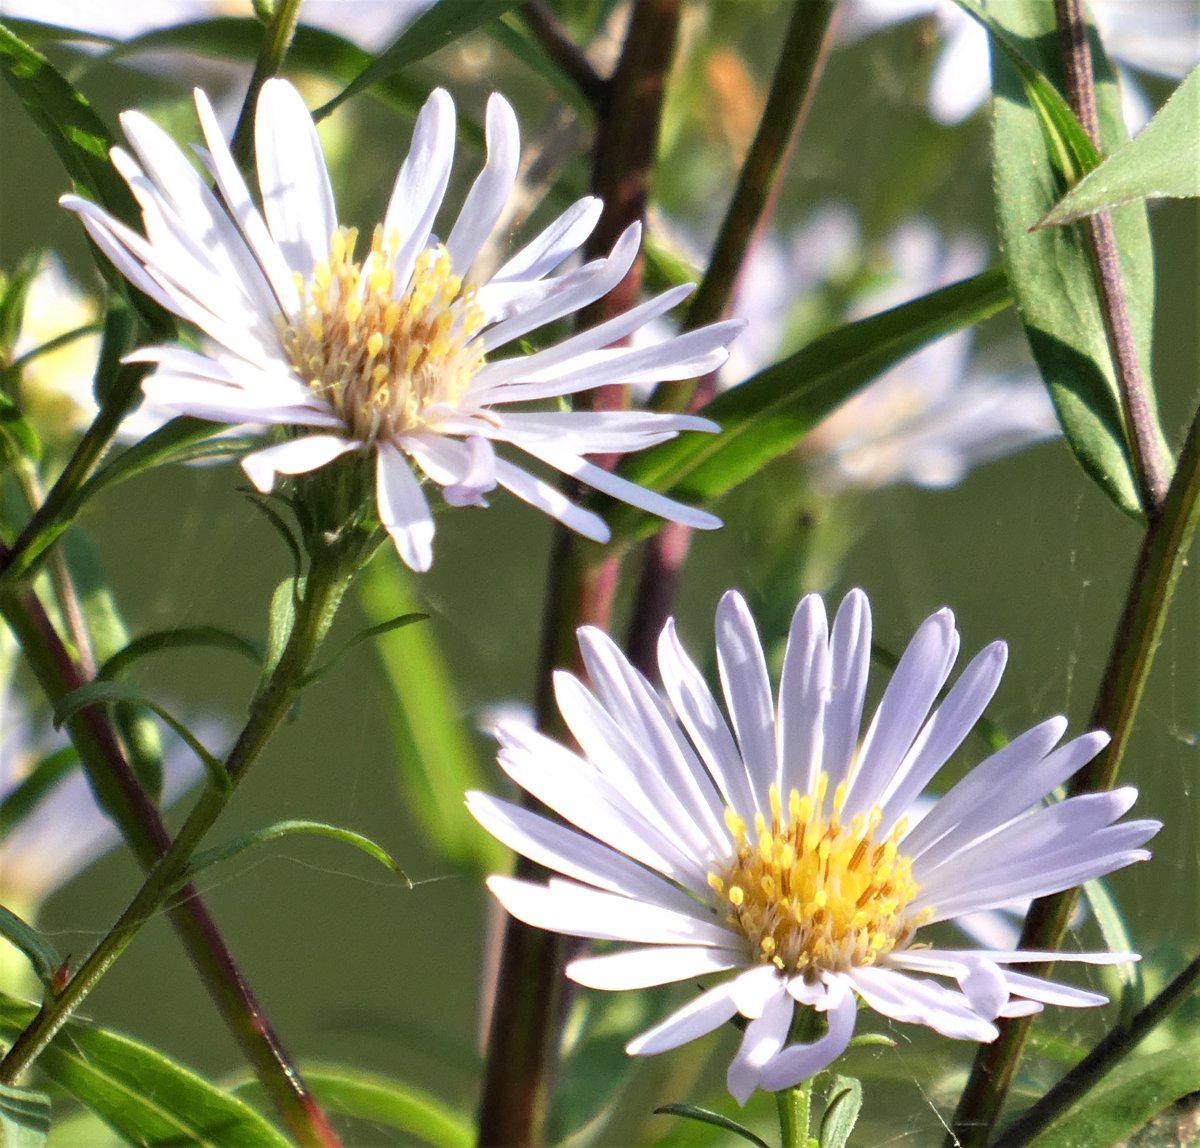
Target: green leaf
x=14 y=290
x=512 y=35
x=108 y=632
x=41 y=954
x=179 y=638
x=1051 y=270
x=1134 y=1092
x=280 y=619
x=65 y=118
x=24 y=1117
x=23 y=797
x=436 y=27
x=1164 y=160
x=1117 y=939
x=114 y=693
x=841 y=1113
x=145 y=1096
x=18 y=439
x=376 y=631
x=769 y=414
x=434 y=753
x=708 y=1116
x=238 y=845
x=383 y=1100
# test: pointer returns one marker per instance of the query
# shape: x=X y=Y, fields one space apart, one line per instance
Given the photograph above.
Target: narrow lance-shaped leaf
x=715 y=1119
x=285 y=829
x=144 y=1095
x=1051 y=271
x=436 y=27
x=1135 y=1091
x=182 y=637
x=115 y=693
x=24 y=1117
x=1163 y=160
x=436 y=760
x=395 y=1104
x=770 y=414
x=40 y=953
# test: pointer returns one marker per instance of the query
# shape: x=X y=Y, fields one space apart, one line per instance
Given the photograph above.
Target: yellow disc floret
x=812 y=894
x=389 y=357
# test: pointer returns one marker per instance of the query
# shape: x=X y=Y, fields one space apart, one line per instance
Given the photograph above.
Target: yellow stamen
x=812 y=894
x=387 y=363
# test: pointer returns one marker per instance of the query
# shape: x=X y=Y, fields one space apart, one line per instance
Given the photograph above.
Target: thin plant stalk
x=531 y=995
x=323 y=592
x=1156 y=572
x=271 y=52
x=1142 y=432
x=805 y=46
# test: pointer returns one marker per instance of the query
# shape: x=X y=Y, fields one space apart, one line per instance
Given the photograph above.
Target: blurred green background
x=351 y=966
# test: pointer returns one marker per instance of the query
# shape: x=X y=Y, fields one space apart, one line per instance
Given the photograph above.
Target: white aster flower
x=393 y=354
x=781 y=852
x=1157 y=36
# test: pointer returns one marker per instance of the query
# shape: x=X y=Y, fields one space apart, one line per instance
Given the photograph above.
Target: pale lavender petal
x=761 y=1042
x=296 y=456
x=403 y=510
x=646 y=967
x=798 y=1062
x=488 y=195
x=708 y=1011
x=804 y=692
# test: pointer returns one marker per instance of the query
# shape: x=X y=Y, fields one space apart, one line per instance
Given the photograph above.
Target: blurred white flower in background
x=930 y=418
x=56 y=386
x=66 y=830
x=370 y=24
x=1161 y=37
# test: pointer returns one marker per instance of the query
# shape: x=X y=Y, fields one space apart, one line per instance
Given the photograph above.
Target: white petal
x=551 y=501
x=1052 y=993
x=581 y=795
x=804 y=691
x=798 y=1062
x=563 y=237
x=565 y=907
x=485 y=201
x=761 y=1043
x=296 y=456
x=920 y=1002
x=708 y=1011
x=701 y=716
x=1000 y=787
x=747 y=689
x=644 y=968
x=622 y=489
x=421 y=182
x=478 y=477
x=570 y=292
x=850 y=661
x=553 y=846
x=237 y=198
x=920 y=674
x=945 y=731
x=403 y=510
x=297 y=198
x=495 y=376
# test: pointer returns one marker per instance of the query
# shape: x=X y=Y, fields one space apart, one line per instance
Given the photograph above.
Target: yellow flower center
x=812 y=894
x=387 y=362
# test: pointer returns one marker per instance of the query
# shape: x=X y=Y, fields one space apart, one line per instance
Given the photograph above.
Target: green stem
x=796 y=76
x=271 y=52
x=323 y=592
x=1103 y=1058
x=1161 y=558
x=1141 y=429
x=54 y=514
x=794 y=1106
